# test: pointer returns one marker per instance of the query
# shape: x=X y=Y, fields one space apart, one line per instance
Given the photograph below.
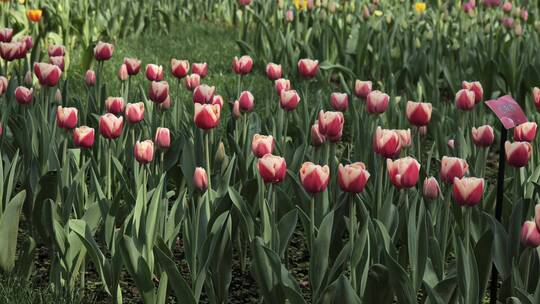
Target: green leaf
x=9 y=228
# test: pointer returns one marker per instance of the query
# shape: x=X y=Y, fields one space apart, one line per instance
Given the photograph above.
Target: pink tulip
x=57 y=61
x=451 y=143
x=154 y=72
x=386 y=143
x=179 y=68
x=537 y=215
x=158 y=91
x=165 y=105
x=90 y=78
x=23 y=95
x=507 y=22
x=317 y=138
x=377 y=102
x=200 y=179
x=518 y=153
x=289 y=16
x=27 y=41
x=1 y=129
x=524 y=15
x=206 y=116
x=6 y=34
x=115 y=105
x=163 y=138
x=203 y=94
x=483 y=136
x=431 y=189
x=273 y=71
x=103 y=51
x=507 y=7
x=465 y=99
x=247 y=101
x=133 y=66
x=217 y=100
x=353 y=178
x=144 y=151
x=422 y=130
x=55 y=50
x=403 y=172
x=192 y=81
x=66 y=118
x=111 y=126
x=339 y=101
x=308 y=68
x=452 y=167
x=419 y=113
x=289 y=100
x=362 y=88
x=272 y=168
x=47 y=74
x=123 y=73
x=200 y=69
x=525 y=132
x=83 y=137
x=10 y=51
x=530 y=235
x=244 y=2
x=331 y=125
x=468 y=191
x=135 y=112
x=405 y=137
x=236 y=109
x=242 y=65
x=3 y=85
x=314 y=178
x=262 y=144
x=282 y=84
x=536 y=97
x=476 y=87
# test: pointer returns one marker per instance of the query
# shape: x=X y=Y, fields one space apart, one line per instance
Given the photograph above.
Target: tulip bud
x=47 y=74
x=90 y=78
x=273 y=71
x=206 y=116
x=524 y=15
x=192 y=81
x=339 y=101
x=451 y=143
x=3 y=85
x=353 y=178
x=114 y=105
x=452 y=167
x=58 y=96
x=403 y=172
x=103 y=51
x=289 y=100
x=518 y=153
x=165 y=105
x=483 y=136
x=289 y=16
x=200 y=69
x=144 y=151
x=362 y=88
x=331 y=125
x=163 y=138
x=220 y=153
x=158 y=91
x=6 y=34
x=537 y=215
x=431 y=189
x=247 y=101
x=179 y=68
x=465 y=99
x=530 y=236
x=27 y=41
x=244 y=2
x=57 y=61
x=422 y=130
x=218 y=100
x=386 y=143
x=23 y=95
x=135 y=112
x=200 y=179
x=377 y=102
x=203 y=94
x=308 y=68
x=83 y=137
x=66 y=118
x=525 y=132
x=154 y=72
x=272 y=168
x=507 y=7
x=262 y=145
x=317 y=138
x=242 y=65
x=123 y=73
x=133 y=66
x=468 y=191
x=536 y=97
x=476 y=87
x=314 y=178
x=405 y=137
x=236 y=109
x=419 y=113
x=111 y=126
x=28 y=78
x=282 y=85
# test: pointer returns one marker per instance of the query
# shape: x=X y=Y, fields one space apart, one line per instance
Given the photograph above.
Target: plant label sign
x=508 y=111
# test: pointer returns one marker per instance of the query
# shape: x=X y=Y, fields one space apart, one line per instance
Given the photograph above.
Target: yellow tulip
x=420 y=7
x=301 y=4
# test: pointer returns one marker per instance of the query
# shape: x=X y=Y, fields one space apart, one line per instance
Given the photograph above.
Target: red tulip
x=507 y=7
x=135 y=112
x=200 y=69
x=386 y=143
x=247 y=101
x=282 y=84
x=289 y=100
x=179 y=68
x=203 y=93
x=83 y=137
x=218 y=100
x=476 y=87
x=192 y=81
x=10 y=51
x=47 y=74
x=3 y=85
x=236 y=109
x=158 y=91
x=525 y=132
x=403 y=172
x=339 y=101
x=90 y=78
x=272 y=168
x=66 y=118
x=28 y=42
x=154 y=72
x=452 y=167
x=163 y=138
x=262 y=144
x=200 y=179
x=353 y=178
x=244 y=2
x=419 y=113
x=6 y=34
x=115 y=105
x=56 y=50
x=308 y=68
x=331 y=125
x=273 y=71
x=377 y=102
x=111 y=126
x=362 y=88
x=483 y=136
x=468 y=191
x=23 y=95
x=123 y=73
x=206 y=116
x=317 y=138
x=465 y=99
x=518 y=153
x=536 y=97
x=431 y=189
x=537 y=215
x=314 y=178
x=133 y=66
x=103 y=51
x=144 y=151
x=242 y=65
x=530 y=236
x=165 y=105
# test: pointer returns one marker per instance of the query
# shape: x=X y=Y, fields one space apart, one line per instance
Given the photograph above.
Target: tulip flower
x=282 y=85
x=405 y=137
x=144 y=151
x=23 y=95
x=431 y=189
x=165 y=105
x=66 y=118
x=154 y=72
x=536 y=97
x=317 y=138
x=200 y=69
x=123 y=73
x=163 y=138
x=103 y=51
x=331 y=125
x=314 y=178
x=192 y=81
x=262 y=144
x=158 y=91
x=530 y=235
x=289 y=100
x=377 y=102
x=451 y=144
x=200 y=179
x=34 y=15
x=507 y=7
x=308 y=68
x=362 y=88
x=133 y=66
x=518 y=153
x=273 y=71
x=179 y=68
x=111 y=126
x=244 y=2
x=339 y=101
x=419 y=113
x=6 y=34
x=537 y=215
x=386 y=143
x=58 y=61
x=465 y=99
x=47 y=74
x=58 y=96
x=236 y=109
x=476 y=87
x=483 y=136
x=114 y=105
x=90 y=78
x=10 y=51
x=422 y=130
x=524 y=15
x=217 y=100
x=1 y=129
x=3 y=85
x=56 y=50
x=289 y=16
x=83 y=137
x=353 y=178
x=203 y=93
x=247 y=101
x=134 y=112
x=452 y=167
x=272 y=168
x=242 y=65
x=525 y=132
x=403 y=172
x=28 y=42
x=468 y=191
x=206 y=116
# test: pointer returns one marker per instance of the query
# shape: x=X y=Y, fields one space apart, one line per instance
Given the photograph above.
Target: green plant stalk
x=379 y=188
x=208 y=169
x=312 y=222
x=109 y=177
x=446 y=220
x=284 y=137
x=195 y=245
x=352 y=235
x=419 y=145
x=467 y=227
x=272 y=203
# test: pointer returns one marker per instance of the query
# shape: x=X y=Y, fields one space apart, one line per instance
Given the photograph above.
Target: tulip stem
x=467 y=226
x=312 y=222
x=109 y=177
x=444 y=236
x=419 y=147
x=352 y=235
x=306 y=110
x=284 y=137
x=380 y=173
x=208 y=170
